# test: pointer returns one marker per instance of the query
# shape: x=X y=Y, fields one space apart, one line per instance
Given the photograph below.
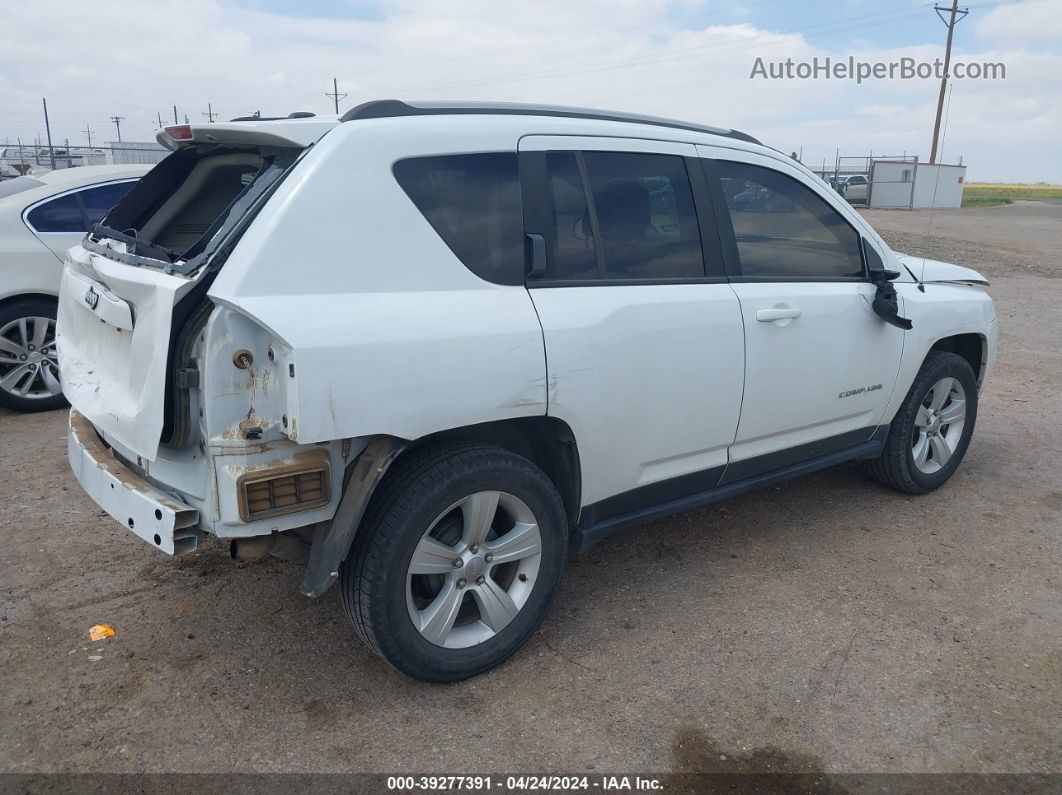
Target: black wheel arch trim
x=332 y=540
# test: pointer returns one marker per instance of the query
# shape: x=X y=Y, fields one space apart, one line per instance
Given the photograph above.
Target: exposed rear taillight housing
x=273 y=492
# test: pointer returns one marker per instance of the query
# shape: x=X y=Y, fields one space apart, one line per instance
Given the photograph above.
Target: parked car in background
x=430 y=349
x=15 y=161
x=41 y=216
x=854 y=188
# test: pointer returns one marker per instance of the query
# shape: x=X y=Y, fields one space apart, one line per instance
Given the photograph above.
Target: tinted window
x=99 y=200
x=573 y=255
x=784 y=229
x=874 y=262
x=58 y=215
x=473 y=202
x=645 y=216
x=643 y=224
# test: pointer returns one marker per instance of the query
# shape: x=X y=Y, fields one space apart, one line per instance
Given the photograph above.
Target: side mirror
x=885 y=304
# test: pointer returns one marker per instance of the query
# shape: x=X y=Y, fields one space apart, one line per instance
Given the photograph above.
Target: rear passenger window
x=639 y=223
x=783 y=229
x=574 y=255
x=473 y=203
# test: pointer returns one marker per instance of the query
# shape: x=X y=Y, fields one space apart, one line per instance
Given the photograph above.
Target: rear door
x=644 y=345
x=820 y=364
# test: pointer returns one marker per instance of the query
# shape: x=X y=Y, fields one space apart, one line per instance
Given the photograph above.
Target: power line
x=335 y=95
x=955 y=16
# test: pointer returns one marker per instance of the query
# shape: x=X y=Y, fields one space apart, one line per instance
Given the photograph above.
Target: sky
x=686 y=59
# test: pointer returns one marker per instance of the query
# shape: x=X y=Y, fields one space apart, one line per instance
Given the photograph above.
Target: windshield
x=9 y=187
x=178 y=214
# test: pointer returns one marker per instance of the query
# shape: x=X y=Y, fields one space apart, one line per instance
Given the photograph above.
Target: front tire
x=29 y=368
x=930 y=433
x=457 y=561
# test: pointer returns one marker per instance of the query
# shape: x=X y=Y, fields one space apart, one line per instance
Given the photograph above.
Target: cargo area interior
x=186 y=195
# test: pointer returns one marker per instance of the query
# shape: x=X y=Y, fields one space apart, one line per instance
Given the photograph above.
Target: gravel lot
x=826 y=624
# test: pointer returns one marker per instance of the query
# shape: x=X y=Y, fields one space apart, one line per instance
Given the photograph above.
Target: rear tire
x=29 y=372
x=930 y=433
x=457 y=561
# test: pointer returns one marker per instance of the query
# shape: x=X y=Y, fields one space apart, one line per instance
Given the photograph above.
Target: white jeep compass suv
x=430 y=349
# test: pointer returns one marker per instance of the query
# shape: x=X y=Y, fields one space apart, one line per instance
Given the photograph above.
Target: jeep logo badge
x=92 y=297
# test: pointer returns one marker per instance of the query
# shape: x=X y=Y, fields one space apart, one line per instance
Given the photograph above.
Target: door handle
x=771 y=315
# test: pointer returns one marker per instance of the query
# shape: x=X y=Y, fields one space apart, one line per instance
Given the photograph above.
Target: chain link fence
x=16 y=159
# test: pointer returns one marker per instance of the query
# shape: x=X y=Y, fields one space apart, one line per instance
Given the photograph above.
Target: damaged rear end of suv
x=141 y=345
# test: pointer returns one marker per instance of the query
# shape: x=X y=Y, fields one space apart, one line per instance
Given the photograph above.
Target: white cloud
x=1021 y=23
x=137 y=59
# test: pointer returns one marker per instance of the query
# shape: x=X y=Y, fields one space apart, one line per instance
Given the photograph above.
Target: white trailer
x=898 y=184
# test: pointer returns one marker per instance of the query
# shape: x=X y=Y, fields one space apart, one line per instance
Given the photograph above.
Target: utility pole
x=175 y=115
x=335 y=95
x=48 y=129
x=88 y=134
x=118 y=125
x=210 y=114
x=159 y=117
x=951 y=22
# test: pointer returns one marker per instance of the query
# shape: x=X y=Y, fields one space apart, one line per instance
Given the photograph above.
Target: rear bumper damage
x=163 y=521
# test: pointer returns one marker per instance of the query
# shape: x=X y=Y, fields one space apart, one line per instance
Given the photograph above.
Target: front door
x=820 y=365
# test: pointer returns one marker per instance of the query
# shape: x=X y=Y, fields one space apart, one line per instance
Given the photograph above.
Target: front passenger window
x=783 y=229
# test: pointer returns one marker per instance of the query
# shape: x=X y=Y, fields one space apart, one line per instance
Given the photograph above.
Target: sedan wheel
x=29 y=366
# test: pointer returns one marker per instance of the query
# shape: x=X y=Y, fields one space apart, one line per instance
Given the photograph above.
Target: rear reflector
x=273 y=492
x=182 y=132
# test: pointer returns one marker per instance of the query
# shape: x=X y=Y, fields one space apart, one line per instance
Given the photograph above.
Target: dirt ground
x=826 y=624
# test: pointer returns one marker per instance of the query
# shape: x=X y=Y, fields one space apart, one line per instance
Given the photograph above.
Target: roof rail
x=299 y=114
x=389 y=108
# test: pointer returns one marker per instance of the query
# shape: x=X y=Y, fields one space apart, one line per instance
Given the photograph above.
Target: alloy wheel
x=29 y=366
x=473 y=569
x=939 y=425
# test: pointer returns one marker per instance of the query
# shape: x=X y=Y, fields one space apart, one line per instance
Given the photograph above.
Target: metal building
x=899 y=184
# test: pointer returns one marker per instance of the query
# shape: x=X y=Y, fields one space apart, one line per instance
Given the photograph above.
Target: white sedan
x=41 y=216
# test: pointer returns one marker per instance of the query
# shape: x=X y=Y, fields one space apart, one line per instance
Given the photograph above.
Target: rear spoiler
x=298 y=133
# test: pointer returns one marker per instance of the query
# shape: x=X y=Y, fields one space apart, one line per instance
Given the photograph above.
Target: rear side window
x=783 y=229
x=639 y=222
x=58 y=215
x=77 y=212
x=473 y=203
